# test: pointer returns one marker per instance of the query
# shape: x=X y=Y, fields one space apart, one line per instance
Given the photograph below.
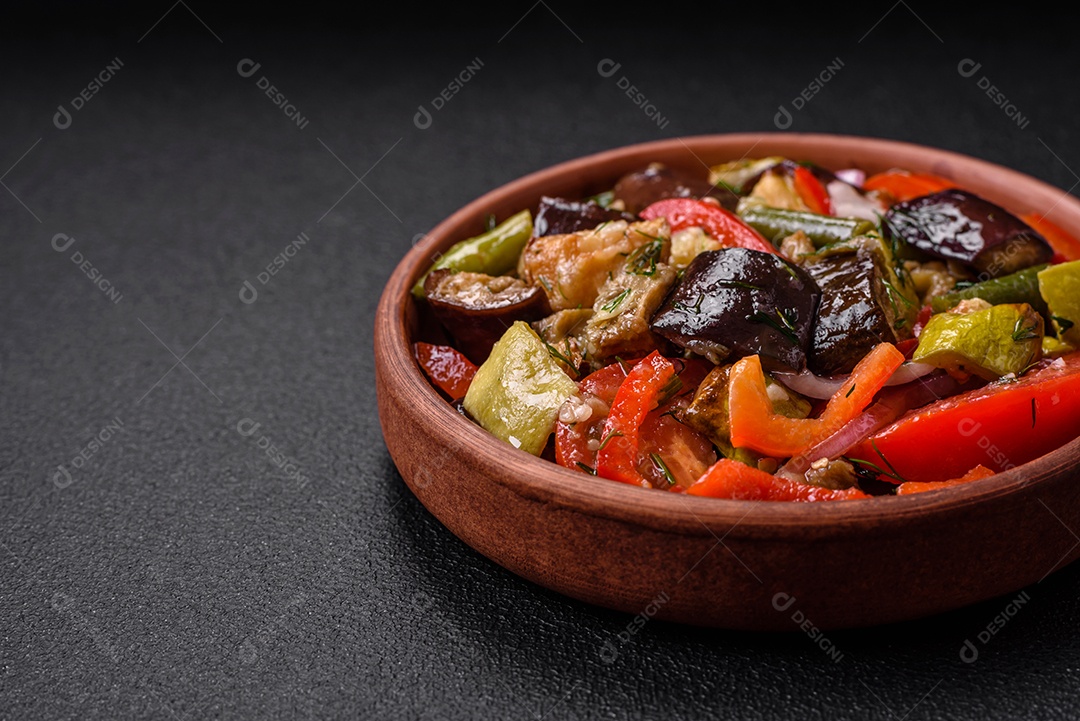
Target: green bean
x=777 y=223
x=1019 y=287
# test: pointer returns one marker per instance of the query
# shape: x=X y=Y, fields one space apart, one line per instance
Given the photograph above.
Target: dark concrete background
x=176 y=569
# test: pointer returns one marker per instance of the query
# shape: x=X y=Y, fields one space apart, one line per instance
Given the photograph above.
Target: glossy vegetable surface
x=778 y=331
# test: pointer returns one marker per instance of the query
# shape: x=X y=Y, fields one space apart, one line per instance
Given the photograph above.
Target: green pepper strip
x=495 y=252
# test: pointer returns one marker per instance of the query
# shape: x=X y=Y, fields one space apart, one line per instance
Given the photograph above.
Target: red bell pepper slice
x=732 y=479
x=1000 y=425
x=812 y=192
x=719 y=223
x=617 y=457
x=1065 y=246
x=903 y=185
x=683 y=453
x=447 y=368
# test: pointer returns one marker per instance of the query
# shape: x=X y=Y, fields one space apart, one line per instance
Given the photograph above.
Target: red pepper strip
x=732 y=479
x=1065 y=246
x=720 y=224
x=902 y=185
x=1000 y=425
x=637 y=395
x=976 y=473
x=811 y=191
x=754 y=425
x=447 y=368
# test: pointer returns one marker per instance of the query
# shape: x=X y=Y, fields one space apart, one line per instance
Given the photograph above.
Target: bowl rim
x=550 y=483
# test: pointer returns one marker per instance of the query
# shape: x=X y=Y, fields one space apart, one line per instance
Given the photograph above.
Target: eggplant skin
x=858 y=309
x=959 y=225
x=740 y=302
x=556 y=216
x=640 y=189
x=476 y=309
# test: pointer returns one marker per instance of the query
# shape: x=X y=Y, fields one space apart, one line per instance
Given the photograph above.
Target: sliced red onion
x=852 y=175
x=822 y=388
x=893 y=404
x=869 y=421
x=849 y=202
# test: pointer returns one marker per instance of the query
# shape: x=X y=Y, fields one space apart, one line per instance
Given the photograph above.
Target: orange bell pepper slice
x=754 y=425
x=976 y=473
x=731 y=479
x=905 y=185
x=1065 y=246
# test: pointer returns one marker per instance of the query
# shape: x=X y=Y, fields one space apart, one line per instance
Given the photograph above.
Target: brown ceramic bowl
x=712 y=562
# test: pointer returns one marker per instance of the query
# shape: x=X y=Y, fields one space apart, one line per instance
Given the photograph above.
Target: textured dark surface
x=182 y=573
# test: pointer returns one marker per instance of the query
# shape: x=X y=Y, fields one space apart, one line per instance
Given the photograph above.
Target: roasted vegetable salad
x=767 y=330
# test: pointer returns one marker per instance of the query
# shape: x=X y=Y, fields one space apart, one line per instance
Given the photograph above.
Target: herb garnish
x=695 y=309
x=607 y=439
x=1064 y=324
x=643 y=260
x=788 y=317
x=615 y=302
x=1021 y=332
x=662 y=467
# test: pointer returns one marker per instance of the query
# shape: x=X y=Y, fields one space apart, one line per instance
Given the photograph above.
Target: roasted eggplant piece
x=864 y=302
x=476 y=309
x=560 y=215
x=742 y=302
x=956 y=224
x=642 y=188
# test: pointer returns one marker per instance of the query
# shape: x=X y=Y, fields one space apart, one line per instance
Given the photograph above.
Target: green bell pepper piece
x=495 y=252
x=1060 y=287
x=516 y=393
x=989 y=343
